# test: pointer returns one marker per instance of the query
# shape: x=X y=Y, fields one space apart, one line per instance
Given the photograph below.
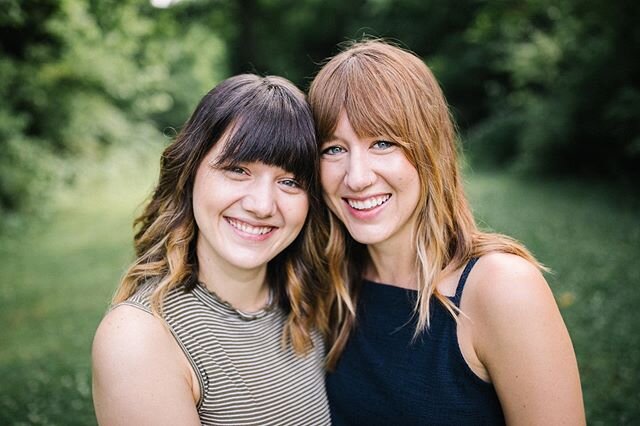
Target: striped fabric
x=245 y=376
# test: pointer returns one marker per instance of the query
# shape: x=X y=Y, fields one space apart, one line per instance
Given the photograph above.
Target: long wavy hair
x=389 y=92
x=265 y=119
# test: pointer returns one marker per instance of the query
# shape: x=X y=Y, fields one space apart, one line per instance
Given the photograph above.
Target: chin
x=366 y=238
x=248 y=263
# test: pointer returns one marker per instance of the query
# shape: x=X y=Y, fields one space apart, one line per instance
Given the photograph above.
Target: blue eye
x=383 y=144
x=333 y=150
x=290 y=182
x=237 y=169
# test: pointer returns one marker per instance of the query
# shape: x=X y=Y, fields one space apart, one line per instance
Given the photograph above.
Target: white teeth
x=253 y=230
x=369 y=203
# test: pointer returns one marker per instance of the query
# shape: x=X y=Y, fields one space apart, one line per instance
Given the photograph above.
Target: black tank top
x=386 y=378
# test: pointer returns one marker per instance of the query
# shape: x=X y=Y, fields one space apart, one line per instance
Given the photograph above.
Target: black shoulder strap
x=463 y=280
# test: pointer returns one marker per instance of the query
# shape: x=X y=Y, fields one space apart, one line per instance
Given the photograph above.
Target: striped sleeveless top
x=245 y=375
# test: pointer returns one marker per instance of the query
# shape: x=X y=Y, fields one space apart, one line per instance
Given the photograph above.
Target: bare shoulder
x=505 y=281
x=140 y=375
x=506 y=296
x=518 y=335
x=129 y=334
x=129 y=344
x=504 y=266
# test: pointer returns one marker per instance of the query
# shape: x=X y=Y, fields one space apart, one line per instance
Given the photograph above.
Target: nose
x=359 y=173
x=260 y=200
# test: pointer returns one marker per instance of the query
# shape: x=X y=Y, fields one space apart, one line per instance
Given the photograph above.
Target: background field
x=545 y=94
x=58 y=278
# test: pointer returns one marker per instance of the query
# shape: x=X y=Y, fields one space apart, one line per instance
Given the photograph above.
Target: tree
x=79 y=76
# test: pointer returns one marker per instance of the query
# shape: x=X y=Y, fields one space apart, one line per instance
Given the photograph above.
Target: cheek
x=296 y=212
x=413 y=189
x=330 y=176
x=202 y=184
x=200 y=216
x=406 y=173
x=197 y=202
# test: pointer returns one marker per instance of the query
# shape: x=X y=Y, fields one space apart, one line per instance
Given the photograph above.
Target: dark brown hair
x=266 y=119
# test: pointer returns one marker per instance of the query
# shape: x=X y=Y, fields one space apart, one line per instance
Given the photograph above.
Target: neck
x=245 y=290
x=393 y=265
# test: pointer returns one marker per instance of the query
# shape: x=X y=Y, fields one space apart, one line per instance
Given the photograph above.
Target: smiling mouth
x=249 y=229
x=369 y=203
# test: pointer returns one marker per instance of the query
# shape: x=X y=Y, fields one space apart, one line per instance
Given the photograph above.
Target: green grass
x=57 y=279
x=588 y=233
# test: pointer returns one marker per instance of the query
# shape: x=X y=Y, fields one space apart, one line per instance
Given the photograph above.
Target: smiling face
x=246 y=213
x=370 y=185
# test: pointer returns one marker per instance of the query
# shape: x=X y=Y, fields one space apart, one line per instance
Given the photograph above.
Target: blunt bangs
x=373 y=103
x=274 y=127
x=361 y=83
x=386 y=92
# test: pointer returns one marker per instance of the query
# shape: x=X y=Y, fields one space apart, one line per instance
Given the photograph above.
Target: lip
x=365 y=212
x=250 y=230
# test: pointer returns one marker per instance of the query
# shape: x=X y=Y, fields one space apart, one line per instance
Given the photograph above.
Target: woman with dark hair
x=220 y=320
x=439 y=322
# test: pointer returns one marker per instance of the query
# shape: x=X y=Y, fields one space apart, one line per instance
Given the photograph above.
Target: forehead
x=347 y=127
x=343 y=129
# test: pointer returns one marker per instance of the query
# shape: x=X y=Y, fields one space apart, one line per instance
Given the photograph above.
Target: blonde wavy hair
x=389 y=92
x=265 y=119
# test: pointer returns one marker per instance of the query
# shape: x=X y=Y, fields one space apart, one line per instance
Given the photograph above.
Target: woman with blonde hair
x=220 y=319
x=439 y=322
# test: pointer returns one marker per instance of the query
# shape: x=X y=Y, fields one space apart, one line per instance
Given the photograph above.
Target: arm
x=140 y=375
x=520 y=338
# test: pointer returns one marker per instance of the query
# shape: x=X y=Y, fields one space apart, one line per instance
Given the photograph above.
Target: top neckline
x=459 y=287
x=229 y=309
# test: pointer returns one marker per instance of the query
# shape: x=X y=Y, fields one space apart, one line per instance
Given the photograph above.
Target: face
x=370 y=185
x=247 y=213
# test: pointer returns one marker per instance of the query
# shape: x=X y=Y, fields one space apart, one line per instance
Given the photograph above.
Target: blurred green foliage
x=541 y=85
x=569 y=94
x=79 y=76
x=535 y=85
